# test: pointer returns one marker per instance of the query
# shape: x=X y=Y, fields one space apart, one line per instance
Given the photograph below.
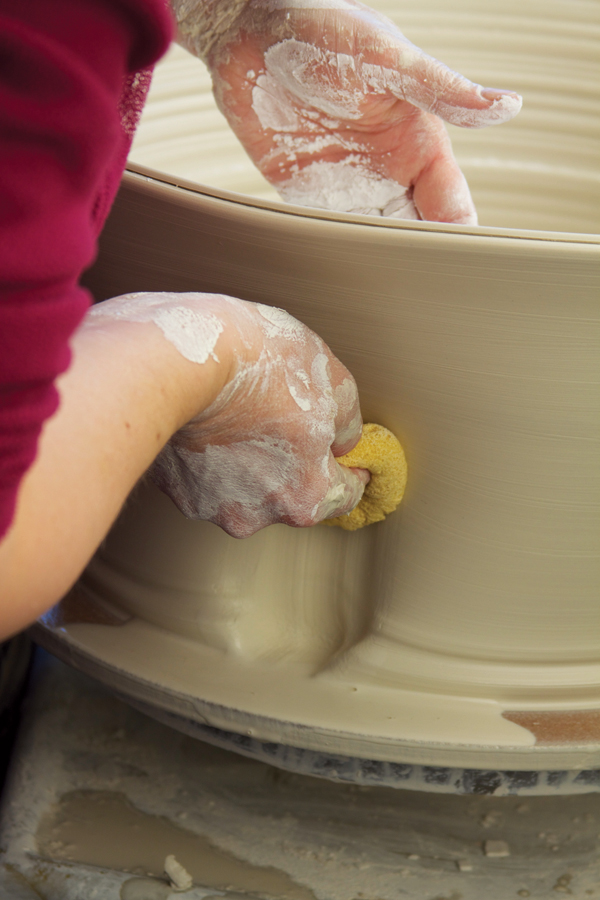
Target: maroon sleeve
x=65 y=66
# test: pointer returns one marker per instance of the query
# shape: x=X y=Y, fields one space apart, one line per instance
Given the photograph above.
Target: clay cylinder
x=479 y=351
x=476 y=346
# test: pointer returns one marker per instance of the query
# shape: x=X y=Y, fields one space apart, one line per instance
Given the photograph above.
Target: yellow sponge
x=382 y=454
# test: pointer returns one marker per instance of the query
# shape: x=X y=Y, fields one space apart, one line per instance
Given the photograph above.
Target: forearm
x=127 y=391
x=257 y=407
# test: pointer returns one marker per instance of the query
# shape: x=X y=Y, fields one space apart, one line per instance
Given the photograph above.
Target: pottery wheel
x=408 y=738
x=455 y=647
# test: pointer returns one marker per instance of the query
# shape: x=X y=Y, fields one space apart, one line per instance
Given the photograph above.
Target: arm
x=125 y=393
x=268 y=402
x=131 y=387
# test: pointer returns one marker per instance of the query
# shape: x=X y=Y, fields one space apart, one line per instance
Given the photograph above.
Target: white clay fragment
x=180 y=878
x=496 y=849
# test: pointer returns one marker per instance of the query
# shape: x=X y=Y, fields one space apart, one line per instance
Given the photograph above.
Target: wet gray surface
x=334 y=841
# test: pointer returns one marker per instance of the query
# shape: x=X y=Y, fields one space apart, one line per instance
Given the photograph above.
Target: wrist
x=156 y=382
x=203 y=24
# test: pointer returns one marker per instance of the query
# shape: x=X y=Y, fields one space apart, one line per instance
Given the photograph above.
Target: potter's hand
x=337 y=108
x=263 y=450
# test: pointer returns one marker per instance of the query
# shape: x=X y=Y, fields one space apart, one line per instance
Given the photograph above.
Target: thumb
x=345 y=491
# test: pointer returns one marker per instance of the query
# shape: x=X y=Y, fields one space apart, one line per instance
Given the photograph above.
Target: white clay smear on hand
x=191 y=330
x=348 y=187
x=338 y=84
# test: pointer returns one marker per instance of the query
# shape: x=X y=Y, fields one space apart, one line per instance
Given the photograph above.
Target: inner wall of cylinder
x=538 y=172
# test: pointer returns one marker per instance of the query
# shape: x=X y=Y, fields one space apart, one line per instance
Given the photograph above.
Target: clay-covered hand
x=337 y=108
x=264 y=450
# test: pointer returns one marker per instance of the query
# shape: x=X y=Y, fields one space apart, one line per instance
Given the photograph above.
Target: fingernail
x=493 y=94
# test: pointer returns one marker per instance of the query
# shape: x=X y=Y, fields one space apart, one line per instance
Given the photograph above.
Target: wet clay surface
x=95 y=774
x=102 y=828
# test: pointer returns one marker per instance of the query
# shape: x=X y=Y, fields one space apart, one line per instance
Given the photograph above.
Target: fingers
x=337 y=83
x=239 y=485
x=441 y=193
x=348 y=185
x=348 y=420
x=344 y=493
x=346 y=486
x=433 y=87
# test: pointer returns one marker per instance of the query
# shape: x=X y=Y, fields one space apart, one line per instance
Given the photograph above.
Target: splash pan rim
x=136 y=172
x=82 y=644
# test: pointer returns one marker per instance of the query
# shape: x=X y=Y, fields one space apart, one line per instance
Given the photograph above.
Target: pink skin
x=264 y=451
x=395 y=132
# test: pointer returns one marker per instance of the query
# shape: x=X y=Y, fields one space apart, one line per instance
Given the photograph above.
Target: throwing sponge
x=382 y=454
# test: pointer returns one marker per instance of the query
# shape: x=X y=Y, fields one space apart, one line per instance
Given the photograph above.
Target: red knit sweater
x=71 y=89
